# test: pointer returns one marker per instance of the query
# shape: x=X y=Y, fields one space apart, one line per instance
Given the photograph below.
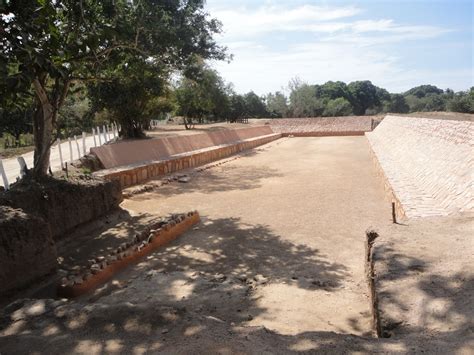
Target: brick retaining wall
x=140 y=172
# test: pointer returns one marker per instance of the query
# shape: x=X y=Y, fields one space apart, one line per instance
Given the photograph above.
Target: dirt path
x=292 y=217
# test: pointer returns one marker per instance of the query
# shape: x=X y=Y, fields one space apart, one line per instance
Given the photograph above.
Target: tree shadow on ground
x=444 y=304
x=218 y=179
x=205 y=279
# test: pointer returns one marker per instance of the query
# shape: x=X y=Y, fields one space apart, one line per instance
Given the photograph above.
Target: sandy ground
x=276 y=266
x=278 y=215
x=425 y=280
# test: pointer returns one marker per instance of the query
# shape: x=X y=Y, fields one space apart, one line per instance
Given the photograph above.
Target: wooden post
x=394 y=214
x=60 y=153
x=4 y=176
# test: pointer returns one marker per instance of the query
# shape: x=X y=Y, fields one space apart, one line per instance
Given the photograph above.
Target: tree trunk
x=188 y=124
x=42 y=130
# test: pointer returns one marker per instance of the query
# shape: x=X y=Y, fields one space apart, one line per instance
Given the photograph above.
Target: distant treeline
x=336 y=98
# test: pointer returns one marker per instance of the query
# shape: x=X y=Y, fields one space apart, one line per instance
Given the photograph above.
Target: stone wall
x=138 y=173
x=324 y=126
x=427 y=164
x=27 y=251
x=64 y=204
x=135 y=151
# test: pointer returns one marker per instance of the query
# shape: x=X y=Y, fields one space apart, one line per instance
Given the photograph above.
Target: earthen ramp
x=426 y=163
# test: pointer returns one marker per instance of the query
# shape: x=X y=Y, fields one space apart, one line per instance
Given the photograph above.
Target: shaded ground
x=425 y=280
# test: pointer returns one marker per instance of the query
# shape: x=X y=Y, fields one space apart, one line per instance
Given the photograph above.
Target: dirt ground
x=276 y=265
x=425 y=280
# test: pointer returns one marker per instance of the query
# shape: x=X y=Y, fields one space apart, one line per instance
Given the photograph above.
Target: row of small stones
x=78 y=275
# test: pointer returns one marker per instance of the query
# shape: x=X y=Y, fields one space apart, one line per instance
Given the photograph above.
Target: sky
x=395 y=44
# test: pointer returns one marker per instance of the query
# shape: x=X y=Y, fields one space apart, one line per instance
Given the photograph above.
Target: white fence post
x=104 y=133
x=93 y=135
x=98 y=134
x=60 y=153
x=84 y=143
x=4 y=176
x=70 y=149
x=23 y=166
x=77 y=146
x=114 y=130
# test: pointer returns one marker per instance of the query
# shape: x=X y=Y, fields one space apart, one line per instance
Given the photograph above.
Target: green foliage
x=47 y=45
x=462 y=102
x=363 y=94
x=303 y=100
x=237 y=108
x=203 y=94
x=424 y=90
x=277 y=105
x=332 y=90
x=338 y=107
x=130 y=96
x=397 y=104
x=255 y=106
x=16 y=116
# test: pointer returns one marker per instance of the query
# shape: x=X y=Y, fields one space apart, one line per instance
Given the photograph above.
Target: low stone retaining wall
x=27 y=251
x=324 y=126
x=103 y=268
x=324 y=134
x=138 y=173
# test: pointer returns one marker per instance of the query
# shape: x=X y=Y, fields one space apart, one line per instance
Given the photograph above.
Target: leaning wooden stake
x=394 y=214
x=370 y=274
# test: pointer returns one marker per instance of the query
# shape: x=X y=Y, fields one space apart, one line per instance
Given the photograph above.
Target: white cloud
x=272 y=44
x=242 y=21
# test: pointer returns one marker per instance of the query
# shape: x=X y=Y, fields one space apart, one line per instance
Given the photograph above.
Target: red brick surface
x=427 y=163
x=133 y=174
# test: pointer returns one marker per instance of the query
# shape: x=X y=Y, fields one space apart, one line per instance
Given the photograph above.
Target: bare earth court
x=275 y=266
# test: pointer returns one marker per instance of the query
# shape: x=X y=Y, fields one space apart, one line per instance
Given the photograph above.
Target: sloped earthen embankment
x=426 y=164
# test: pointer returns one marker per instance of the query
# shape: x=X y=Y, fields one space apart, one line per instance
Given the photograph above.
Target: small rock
x=78 y=280
x=99 y=259
x=184 y=180
x=219 y=278
x=95 y=268
x=164 y=331
x=260 y=279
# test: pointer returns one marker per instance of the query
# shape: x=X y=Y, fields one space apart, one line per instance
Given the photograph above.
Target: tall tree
x=46 y=45
x=277 y=104
x=363 y=94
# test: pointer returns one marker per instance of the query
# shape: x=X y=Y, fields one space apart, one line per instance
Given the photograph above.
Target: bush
x=338 y=107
